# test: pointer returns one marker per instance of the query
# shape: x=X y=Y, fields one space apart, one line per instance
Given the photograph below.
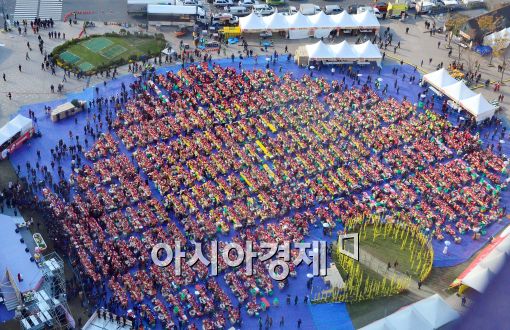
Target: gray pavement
x=33 y=85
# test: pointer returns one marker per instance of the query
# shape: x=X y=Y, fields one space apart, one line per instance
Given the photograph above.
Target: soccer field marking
x=85 y=66
x=113 y=51
x=97 y=44
x=69 y=57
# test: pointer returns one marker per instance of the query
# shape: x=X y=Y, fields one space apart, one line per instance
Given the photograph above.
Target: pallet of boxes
x=67 y=109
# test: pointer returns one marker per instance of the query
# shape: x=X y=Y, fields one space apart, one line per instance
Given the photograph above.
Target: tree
x=453 y=25
x=499 y=49
x=488 y=23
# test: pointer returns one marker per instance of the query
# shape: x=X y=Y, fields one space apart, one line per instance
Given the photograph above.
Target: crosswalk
x=50 y=9
x=44 y=9
x=26 y=9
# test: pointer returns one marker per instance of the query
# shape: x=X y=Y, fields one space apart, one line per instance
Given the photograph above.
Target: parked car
x=264 y=10
x=353 y=9
x=333 y=9
x=292 y=10
x=372 y=10
x=191 y=3
x=248 y=3
x=382 y=6
x=223 y=3
x=225 y=19
x=239 y=11
x=275 y=2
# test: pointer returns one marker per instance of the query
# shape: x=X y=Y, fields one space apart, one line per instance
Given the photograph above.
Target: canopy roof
x=430 y=313
x=278 y=21
x=439 y=79
x=367 y=50
x=474 y=103
x=365 y=19
x=458 y=91
x=17 y=124
x=481 y=275
x=477 y=105
x=252 y=22
x=343 y=50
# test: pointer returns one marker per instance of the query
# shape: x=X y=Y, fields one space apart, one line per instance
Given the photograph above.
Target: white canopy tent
x=481 y=275
x=479 y=107
x=498 y=39
x=252 y=23
x=458 y=92
x=427 y=314
x=299 y=26
x=275 y=21
x=345 y=20
x=439 y=79
x=342 y=52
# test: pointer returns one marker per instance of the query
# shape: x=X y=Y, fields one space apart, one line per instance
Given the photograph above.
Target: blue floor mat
x=311 y=316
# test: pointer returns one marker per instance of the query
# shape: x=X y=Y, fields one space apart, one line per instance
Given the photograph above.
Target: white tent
x=319 y=50
x=322 y=24
x=252 y=23
x=427 y=314
x=436 y=311
x=300 y=26
x=479 y=107
x=458 y=91
x=366 y=20
x=276 y=22
x=481 y=275
x=368 y=51
x=321 y=20
x=500 y=38
x=439 y=79
x=22 y=123
x=344 y=50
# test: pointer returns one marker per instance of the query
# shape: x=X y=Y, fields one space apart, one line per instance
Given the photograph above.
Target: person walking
x=9 y=95
x=3 y=76
x=27 y=57
x=282 y=322
x=19 y=68
x=419 y=284
x=296 y=300
x=438 y=44
x=299 y=324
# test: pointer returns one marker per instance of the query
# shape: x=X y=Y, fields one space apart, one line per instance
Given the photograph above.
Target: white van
x=332 y=10
x=223 y=3
x=309 y=9
x=225 y=19
x=372 y=10
x=239 y=11
x=264 y=10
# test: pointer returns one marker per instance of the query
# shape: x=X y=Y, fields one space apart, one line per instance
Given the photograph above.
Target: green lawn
x=388 y=250
x=100 y=51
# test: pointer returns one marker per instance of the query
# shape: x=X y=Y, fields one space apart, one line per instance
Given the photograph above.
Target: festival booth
x=430 y=313
x=366 y=22
x=343 y=53
x=439 y=80
x=299 y=26
x=444 y=84
x=480 y=273
x=478 y=106
x=14 y=133
x=500 y=39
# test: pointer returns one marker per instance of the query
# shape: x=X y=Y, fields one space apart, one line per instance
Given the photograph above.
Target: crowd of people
x=262 y=157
